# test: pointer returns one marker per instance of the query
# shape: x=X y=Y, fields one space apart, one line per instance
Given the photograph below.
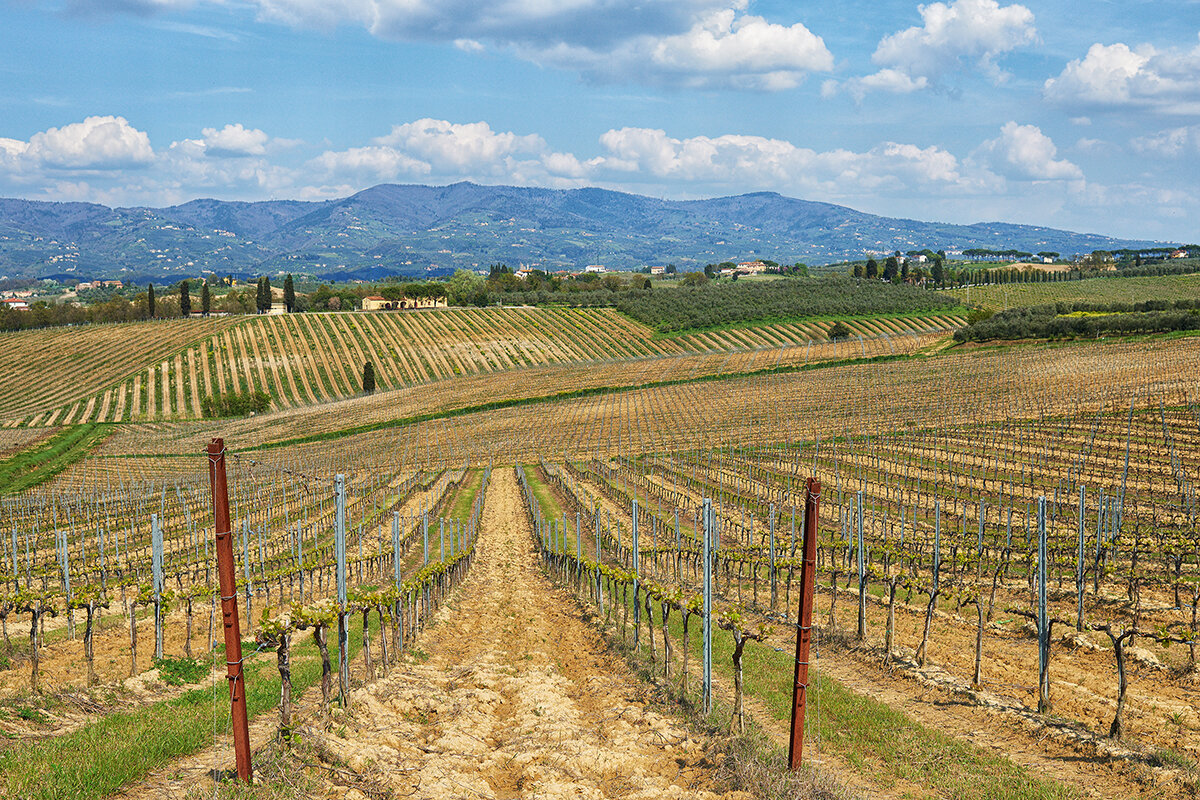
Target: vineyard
x=106 y=373
x=1012 y=530
x=996 y=297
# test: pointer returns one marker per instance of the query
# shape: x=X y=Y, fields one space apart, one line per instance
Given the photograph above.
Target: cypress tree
x=890 y=267
x=205 y=299
x=368 y=382
x=185 y=299
x=150 y=300
x=872 y=269
x=289 y=293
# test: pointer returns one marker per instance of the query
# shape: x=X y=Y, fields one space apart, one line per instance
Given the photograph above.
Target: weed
x=180 y=671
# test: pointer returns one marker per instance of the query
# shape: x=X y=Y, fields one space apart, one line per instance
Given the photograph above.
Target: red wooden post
x=229 y=609
x=808 y=576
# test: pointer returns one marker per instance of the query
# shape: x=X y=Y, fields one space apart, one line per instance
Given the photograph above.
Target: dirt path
x=517 y=698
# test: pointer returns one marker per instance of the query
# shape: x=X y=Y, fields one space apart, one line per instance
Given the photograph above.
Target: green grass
x=30 y=467
x=541 y=492
x=180 y=671
x=464 y=498
x=996 y=297
x=882 y=743
x=101 y=757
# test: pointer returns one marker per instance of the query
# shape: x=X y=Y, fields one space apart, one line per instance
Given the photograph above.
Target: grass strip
x=551 y=510
x=28 y=468
x=464 y=498
x=882 y=743
x=99 y=758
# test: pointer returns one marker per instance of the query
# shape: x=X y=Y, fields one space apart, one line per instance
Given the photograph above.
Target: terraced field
x=81 y=374
x=111 y=374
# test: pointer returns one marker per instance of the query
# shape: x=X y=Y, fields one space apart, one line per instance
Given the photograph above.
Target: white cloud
x=450 y=147
x=736 y=160
x=368 y=165
x=96 y=143
x=469 y=45
x=886 y=80
x=690 y=43
x=1118 y=76
x=433 y=149
x=741 y=49
x=235 y=140
x=722 y=49
x=1023 y=152
x=954 y=34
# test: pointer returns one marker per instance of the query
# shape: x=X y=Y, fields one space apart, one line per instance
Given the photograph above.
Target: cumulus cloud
x=106 y=159
x=697 y=43
x=431 y=149
x=740 y=160
x=451 y=147
x=745 y=49
x=722 y=49
x=1119 y=76
x=235 y=140
x=1024 y=153
x=951 y=36
x=97 y=143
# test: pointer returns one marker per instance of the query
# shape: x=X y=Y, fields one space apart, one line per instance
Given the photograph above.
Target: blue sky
x=1079 y=116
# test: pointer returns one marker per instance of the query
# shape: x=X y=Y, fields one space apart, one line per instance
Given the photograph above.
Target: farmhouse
x=658 y=270
x=16 y=304
x=379 y=303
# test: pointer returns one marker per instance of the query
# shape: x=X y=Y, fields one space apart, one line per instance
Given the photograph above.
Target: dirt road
x=512 y=695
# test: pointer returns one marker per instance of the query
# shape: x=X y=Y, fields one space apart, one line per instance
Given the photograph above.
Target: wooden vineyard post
x=229 y=609
x=808 y=572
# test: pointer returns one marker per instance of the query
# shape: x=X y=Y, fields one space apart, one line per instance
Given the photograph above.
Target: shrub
x=839 y=330
x=234 y=404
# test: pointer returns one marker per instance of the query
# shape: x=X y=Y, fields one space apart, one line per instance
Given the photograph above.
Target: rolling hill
x=431 y=230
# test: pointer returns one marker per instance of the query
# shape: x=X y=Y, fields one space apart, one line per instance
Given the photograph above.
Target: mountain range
x=432 y=230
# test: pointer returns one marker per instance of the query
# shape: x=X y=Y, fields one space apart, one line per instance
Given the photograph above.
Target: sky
x=1084 y=116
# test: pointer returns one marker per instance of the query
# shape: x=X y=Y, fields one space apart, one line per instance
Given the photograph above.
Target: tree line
x=718 y=304
x=1082 y=319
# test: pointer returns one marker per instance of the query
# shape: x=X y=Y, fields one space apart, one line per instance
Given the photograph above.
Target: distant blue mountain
x=432 y=230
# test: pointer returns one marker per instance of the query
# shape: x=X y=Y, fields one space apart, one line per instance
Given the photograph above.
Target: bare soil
x=517 y=698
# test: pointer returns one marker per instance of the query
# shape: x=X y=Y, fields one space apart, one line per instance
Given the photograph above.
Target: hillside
x=430 y=230
x=106 y=373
